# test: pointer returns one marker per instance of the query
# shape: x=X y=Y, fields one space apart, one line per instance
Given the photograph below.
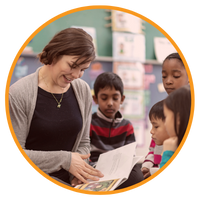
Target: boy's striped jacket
x=107 y=134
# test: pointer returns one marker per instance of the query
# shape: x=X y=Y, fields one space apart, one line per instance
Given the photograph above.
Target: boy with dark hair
x=159 y=134
x=109 y=130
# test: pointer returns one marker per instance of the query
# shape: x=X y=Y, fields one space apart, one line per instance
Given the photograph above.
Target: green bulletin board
x=92 y=18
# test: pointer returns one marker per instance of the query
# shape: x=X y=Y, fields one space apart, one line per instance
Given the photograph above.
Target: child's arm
x=169 y=147
x=165 y=157
x=149 y=159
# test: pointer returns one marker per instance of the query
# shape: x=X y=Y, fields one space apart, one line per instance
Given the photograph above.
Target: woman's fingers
x=92 y=171
x=81 y=170
x=89 y=172
x=78 y=176
x=83 y=176
x=89 y=176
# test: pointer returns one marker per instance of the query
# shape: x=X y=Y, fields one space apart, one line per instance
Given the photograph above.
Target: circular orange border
x=86 y=6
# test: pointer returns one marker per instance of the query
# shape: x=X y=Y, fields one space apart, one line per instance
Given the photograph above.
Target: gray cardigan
x=22 y=102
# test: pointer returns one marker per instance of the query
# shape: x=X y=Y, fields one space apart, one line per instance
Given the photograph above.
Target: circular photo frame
x=87 y=6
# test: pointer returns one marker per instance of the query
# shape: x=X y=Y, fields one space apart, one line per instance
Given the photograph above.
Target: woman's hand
x=170 y=144
x=81 y=170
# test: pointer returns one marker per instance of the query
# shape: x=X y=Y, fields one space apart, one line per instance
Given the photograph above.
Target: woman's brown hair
x=179 y=102
x=70 y=41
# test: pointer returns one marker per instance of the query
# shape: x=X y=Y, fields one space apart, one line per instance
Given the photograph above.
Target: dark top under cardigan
x=53 y=128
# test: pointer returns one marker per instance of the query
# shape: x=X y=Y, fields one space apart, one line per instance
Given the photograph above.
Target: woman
x=50 y=109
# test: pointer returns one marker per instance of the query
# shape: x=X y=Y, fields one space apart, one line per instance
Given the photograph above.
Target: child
x=177 y=112
x=159 y=134
x=174 y=76
x=157 y=118
x=109 y=130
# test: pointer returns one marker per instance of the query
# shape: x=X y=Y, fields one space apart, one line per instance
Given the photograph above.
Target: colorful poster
x=132 y=74
x=163 y=48
x=149 y=79
x=122 y=21
x=133 y=106
x=128 y=47
x=139 y=131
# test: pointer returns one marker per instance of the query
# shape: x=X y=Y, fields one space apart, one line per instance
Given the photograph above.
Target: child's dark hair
x=108 y=79
x=174 y=56
x=179 y=102
x=156 y=111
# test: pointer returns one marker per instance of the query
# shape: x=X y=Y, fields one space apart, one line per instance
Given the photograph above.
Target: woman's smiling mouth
x=67 y=78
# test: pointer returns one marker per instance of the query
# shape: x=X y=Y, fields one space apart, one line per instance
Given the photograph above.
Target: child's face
x=158 y=131
x=109 y=101
x=169 y=121
x=174 y=75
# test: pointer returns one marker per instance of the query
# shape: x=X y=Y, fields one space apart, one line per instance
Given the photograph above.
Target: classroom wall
x=28 y=63
x=93 y=18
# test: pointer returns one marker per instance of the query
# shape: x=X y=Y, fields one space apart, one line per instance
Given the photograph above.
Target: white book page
x=117 y=163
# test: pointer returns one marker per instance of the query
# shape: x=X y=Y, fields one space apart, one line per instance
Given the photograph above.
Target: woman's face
x=174 y=75
x=62 y=72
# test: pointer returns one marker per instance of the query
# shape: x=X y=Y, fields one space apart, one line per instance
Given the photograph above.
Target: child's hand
x=170 y=144
x=75 y=182
x=146 y=172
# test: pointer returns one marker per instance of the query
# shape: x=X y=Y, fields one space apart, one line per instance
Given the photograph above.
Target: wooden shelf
x=100 y=58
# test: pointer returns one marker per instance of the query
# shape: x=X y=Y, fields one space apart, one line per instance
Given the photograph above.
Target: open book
x=116 y=166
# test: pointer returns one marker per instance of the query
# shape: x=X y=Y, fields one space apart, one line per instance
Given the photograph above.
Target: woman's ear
x=95 y=99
